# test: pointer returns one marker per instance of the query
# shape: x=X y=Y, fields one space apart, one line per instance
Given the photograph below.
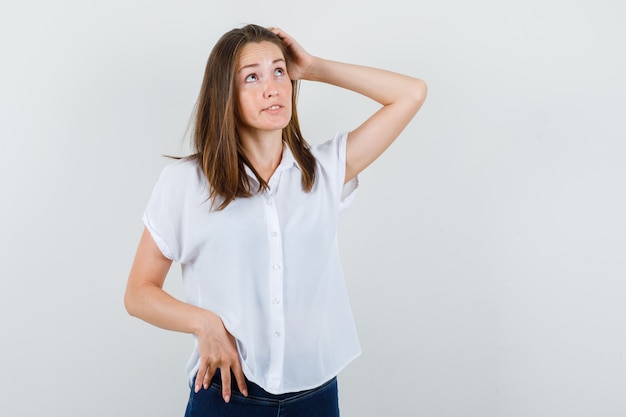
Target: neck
x=263 y=153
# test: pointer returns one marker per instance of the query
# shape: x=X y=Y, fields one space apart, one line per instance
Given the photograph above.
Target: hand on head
x=299 y=59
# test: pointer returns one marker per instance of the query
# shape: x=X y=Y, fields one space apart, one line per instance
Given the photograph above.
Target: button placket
x=276 y=325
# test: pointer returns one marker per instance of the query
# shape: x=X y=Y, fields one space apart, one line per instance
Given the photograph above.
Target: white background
x=485 y=254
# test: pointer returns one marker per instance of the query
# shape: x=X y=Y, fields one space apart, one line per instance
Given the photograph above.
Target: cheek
x=288 y=87
x=243 y=104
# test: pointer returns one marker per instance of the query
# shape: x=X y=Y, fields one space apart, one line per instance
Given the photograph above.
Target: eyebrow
x=257 y=64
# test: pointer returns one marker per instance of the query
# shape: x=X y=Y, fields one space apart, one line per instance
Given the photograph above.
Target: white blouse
x=268 y=265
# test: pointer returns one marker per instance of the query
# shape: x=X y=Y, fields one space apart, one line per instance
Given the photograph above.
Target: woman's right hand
x=145 y=298
x=218 y=350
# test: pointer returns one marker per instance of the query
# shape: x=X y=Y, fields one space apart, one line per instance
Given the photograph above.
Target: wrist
x=314 y=70
x=204 y=322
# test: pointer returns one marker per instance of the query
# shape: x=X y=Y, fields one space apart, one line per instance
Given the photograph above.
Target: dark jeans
x=318 y=402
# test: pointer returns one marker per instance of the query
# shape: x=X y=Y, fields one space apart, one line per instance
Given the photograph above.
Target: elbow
x=129 y=303
x=418 y=92
x=413 y=95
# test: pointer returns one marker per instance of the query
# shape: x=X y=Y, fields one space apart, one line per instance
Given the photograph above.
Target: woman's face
x=263 y=88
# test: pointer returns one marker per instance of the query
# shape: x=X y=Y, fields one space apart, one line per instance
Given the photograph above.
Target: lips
x=273 y=107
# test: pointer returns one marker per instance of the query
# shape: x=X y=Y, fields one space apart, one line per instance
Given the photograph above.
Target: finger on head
x=276 y=31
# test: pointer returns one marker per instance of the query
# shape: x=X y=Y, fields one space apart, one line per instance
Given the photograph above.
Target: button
x=276 y=301
x=274 y=234
x=268 y=201
x=276 y=334
x=276 y=267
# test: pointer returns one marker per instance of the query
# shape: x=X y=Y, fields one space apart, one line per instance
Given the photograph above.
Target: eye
x=251 y=78
x=279 y=71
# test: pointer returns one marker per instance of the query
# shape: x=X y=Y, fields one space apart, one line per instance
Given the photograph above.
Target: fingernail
x=197 y=388
x=227 y=398
x=245 y=393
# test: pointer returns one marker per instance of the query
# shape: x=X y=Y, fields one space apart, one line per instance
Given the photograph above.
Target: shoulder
x=331 y=160
x=185 y=169
x=331 y=150
x=182 y=175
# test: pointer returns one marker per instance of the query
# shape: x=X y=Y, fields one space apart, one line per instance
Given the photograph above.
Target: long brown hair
x=216 y=141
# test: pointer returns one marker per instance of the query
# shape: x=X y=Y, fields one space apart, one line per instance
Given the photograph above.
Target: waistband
x=256 y=391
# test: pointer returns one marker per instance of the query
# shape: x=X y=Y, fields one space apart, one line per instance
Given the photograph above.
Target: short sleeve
x=164 y=213
x=332 y=157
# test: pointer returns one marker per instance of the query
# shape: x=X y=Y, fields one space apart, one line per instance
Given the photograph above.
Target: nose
x=270 y=90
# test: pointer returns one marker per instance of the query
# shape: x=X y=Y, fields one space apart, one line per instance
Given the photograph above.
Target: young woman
x=252 y=219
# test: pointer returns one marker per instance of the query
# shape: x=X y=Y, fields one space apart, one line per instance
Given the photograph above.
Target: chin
x=278 y=126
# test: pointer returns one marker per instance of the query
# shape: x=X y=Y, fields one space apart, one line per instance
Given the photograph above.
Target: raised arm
x=401 y=97
x=146 y=299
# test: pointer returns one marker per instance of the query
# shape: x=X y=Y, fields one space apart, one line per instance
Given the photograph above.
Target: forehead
x=254 y=53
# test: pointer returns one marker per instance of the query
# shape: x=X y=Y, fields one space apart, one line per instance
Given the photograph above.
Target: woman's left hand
x=299 y=59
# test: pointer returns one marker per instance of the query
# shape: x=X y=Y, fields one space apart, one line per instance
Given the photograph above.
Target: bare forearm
x=155 y=306
x=383 y=86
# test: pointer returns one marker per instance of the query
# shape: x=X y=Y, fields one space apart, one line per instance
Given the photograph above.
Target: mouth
x=273 y=107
